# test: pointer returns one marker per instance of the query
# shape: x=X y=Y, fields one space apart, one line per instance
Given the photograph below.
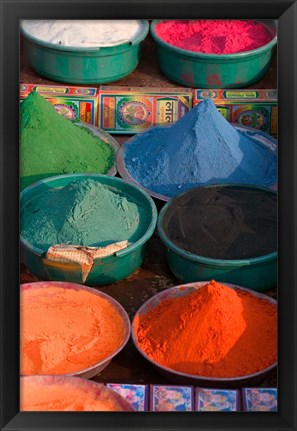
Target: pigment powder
x=61 y=393
x=84 y=212
x=85 y=33
x=66 y=330
x=201 y=148
x=223 y=222
x=214 y=36
x=214 y=331
x=52 y=145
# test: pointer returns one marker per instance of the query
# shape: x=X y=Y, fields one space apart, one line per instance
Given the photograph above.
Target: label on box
x=259 y=399
x=58 y=90
x=74 y=103
x=252 y=108
x=136 y=395
x=217 y=400
x=133 y=110
x=171 y=398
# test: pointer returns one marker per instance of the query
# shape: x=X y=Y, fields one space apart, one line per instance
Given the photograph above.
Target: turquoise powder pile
x=84 y=212
x=201 y=148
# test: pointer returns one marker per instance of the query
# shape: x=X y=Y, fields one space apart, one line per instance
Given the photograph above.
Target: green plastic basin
x=105 y=270
x=76 y=65
x=259 y=273
x=201 y=70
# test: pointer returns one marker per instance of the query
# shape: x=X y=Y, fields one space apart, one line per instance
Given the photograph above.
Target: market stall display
x=80 y=226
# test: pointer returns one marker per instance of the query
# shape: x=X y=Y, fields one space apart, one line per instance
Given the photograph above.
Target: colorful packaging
x=171 y=398
x=133 y=109
x=253 y=108
x=217 y=400
x=75 y=103
x=259 y=399
x=136 y=395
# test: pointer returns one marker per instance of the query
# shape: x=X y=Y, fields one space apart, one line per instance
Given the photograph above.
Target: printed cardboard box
x=74 y=103
x=217 y=400
x=136 y=395
x=259 y=399
x=173 y=398
x=129 y=110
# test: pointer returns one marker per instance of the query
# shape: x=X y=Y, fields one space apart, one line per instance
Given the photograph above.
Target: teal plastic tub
x=201 y=70
x=259 y=273
x=76 y=65
x=105 y=270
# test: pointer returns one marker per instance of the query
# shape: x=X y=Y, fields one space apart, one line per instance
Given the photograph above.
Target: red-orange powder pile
x=66 y=330
x=214 y=331
x=214 y=36
x=60 y=393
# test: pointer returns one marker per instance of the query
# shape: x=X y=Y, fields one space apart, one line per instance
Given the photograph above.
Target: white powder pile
x=90 y=33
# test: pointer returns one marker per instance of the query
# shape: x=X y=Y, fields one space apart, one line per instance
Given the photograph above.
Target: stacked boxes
x=130 y=110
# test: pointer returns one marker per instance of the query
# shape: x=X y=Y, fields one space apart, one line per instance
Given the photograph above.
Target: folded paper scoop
x=83 y=255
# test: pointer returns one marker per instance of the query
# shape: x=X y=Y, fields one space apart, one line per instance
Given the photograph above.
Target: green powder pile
x=52 y=145
x=84 y=212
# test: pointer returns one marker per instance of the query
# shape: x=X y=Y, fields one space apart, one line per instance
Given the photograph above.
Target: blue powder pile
x=201 y=148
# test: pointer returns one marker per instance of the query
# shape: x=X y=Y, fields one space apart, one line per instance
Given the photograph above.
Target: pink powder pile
x=214 y=36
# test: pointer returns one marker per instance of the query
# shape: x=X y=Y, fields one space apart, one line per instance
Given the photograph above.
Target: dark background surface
x=154 y=275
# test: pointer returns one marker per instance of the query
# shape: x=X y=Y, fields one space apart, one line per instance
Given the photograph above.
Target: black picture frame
x=286 y=13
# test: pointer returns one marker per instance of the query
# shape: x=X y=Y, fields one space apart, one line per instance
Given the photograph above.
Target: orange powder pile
x=58 y=393
x=214 y=331
x=66 y=330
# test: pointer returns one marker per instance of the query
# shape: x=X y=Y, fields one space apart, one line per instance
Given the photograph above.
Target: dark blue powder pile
x=201 y=148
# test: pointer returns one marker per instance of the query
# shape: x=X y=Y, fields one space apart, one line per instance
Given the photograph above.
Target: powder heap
x=84 y=212
x=214 y=331
x=223 y=222
x=59 y=393
x=84 y=33
x=66 y=330
x=201 y=148
x=52 y=145
x=214 y=36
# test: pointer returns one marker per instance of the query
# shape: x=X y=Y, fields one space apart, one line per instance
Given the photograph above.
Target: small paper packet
x=171 y=398
x=259 y=399
x=136 y=395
